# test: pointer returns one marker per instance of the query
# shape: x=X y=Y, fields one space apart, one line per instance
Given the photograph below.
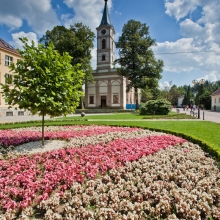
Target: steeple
x=105 y=17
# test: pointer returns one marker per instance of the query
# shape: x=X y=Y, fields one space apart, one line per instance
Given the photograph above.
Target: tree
x=44 y=82
x=149 y=91
x=137 y=61
x=77 y=41
x=188 y=97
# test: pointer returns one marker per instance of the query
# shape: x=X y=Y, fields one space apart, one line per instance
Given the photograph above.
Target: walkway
x=207 y=115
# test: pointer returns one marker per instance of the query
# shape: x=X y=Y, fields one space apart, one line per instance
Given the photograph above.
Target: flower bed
x=110 y=173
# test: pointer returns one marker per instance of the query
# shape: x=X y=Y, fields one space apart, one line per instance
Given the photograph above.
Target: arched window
x=103 y=57
x=103 y=44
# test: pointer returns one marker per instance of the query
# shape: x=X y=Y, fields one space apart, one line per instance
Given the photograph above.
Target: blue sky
x=187 y=32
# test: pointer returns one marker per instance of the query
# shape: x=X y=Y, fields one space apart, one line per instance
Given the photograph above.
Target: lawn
x=120 y=171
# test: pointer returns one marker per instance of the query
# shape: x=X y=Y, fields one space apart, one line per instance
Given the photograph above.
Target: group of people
x=192 y=107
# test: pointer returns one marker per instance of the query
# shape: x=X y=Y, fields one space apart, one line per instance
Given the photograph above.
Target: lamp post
x=200 y=82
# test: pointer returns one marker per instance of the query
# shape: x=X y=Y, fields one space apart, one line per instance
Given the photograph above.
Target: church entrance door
x=103 y=101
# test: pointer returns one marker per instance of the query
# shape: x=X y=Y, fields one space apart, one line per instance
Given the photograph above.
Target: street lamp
x=200 y=82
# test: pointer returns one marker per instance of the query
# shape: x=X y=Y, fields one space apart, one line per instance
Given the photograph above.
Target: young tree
x=137 y=61
x=78 y=42
x=44 y=82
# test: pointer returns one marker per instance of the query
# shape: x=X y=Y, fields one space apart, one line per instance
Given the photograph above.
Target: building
x=180 y=101
x=108 y=89
x=215 y=106
x=7 y=55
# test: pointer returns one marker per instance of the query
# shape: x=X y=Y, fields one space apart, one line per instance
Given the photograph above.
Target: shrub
x=158 y=107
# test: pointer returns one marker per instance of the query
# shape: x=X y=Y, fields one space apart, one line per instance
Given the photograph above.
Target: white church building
x=108 y=89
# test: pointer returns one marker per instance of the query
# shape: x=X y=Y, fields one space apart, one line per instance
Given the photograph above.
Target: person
x=194 y=107
x=187 y=107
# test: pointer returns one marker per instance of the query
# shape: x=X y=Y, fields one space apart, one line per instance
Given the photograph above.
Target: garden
x=91 y=170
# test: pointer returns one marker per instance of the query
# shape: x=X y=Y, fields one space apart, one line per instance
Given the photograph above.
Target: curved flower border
x=118 y=165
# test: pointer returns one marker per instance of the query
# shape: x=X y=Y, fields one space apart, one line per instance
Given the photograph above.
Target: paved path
x=208 y=116
x=20 y=118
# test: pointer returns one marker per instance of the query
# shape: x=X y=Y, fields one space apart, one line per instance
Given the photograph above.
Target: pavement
x=204 y=115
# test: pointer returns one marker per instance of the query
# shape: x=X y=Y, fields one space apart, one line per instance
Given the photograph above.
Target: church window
x=115 y=99
x=91 y=99
x=103 y=57
x=103 y=44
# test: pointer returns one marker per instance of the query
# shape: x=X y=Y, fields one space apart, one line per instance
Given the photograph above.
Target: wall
x=216 y=103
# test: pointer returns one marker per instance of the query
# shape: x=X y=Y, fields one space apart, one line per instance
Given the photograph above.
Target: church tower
x=108 y=89
x=105 y=41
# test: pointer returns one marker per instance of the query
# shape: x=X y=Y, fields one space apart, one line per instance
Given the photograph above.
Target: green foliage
x=188 y=97
x=77 y=41
x=158 y=107
x=44 y=82
x=137 y=61
x=205 y=100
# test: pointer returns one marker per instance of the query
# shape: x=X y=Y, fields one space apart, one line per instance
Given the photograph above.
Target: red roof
x=7 y=46
x=217 y=92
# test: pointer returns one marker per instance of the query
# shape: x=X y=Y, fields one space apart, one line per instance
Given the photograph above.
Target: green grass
x=129 y=116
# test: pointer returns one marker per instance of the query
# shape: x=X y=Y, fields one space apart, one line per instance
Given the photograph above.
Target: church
x=108 y=89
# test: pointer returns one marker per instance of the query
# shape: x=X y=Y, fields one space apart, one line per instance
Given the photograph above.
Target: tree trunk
x=81 y=100
x=42 y=130
x=136 y=98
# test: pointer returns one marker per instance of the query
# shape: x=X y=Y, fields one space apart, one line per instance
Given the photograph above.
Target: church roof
x=105 y=17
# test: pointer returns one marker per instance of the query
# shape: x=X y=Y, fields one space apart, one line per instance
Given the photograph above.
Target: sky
x=187 y=32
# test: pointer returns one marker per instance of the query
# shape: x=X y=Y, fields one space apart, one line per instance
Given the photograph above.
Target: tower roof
x=105 y=16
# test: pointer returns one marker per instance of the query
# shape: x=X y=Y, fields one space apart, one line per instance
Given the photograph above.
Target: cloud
x=39 y=14
x=200 y=36
x=165 y=86
x=18 y=44
x=180 y=8
x=94 y=58
x=86 y=11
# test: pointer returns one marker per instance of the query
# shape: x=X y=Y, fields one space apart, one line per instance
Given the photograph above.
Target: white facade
x=180 y=101
x=216 y=100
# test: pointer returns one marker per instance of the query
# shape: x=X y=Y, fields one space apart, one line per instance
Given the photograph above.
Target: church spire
x=105 y=16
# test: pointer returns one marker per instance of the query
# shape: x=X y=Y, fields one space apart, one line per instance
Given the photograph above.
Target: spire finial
x=105 y=16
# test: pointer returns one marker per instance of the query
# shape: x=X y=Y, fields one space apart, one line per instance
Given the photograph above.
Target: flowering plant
x=124 y=173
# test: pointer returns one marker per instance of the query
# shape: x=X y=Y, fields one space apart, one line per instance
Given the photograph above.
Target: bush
x=155 y=107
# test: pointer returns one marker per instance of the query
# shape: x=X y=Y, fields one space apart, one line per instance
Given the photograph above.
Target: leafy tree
x=137 y=61
x=188 y=97
x=205 y=100
x=77 y=41
x=44 y=82
x=150 y=90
